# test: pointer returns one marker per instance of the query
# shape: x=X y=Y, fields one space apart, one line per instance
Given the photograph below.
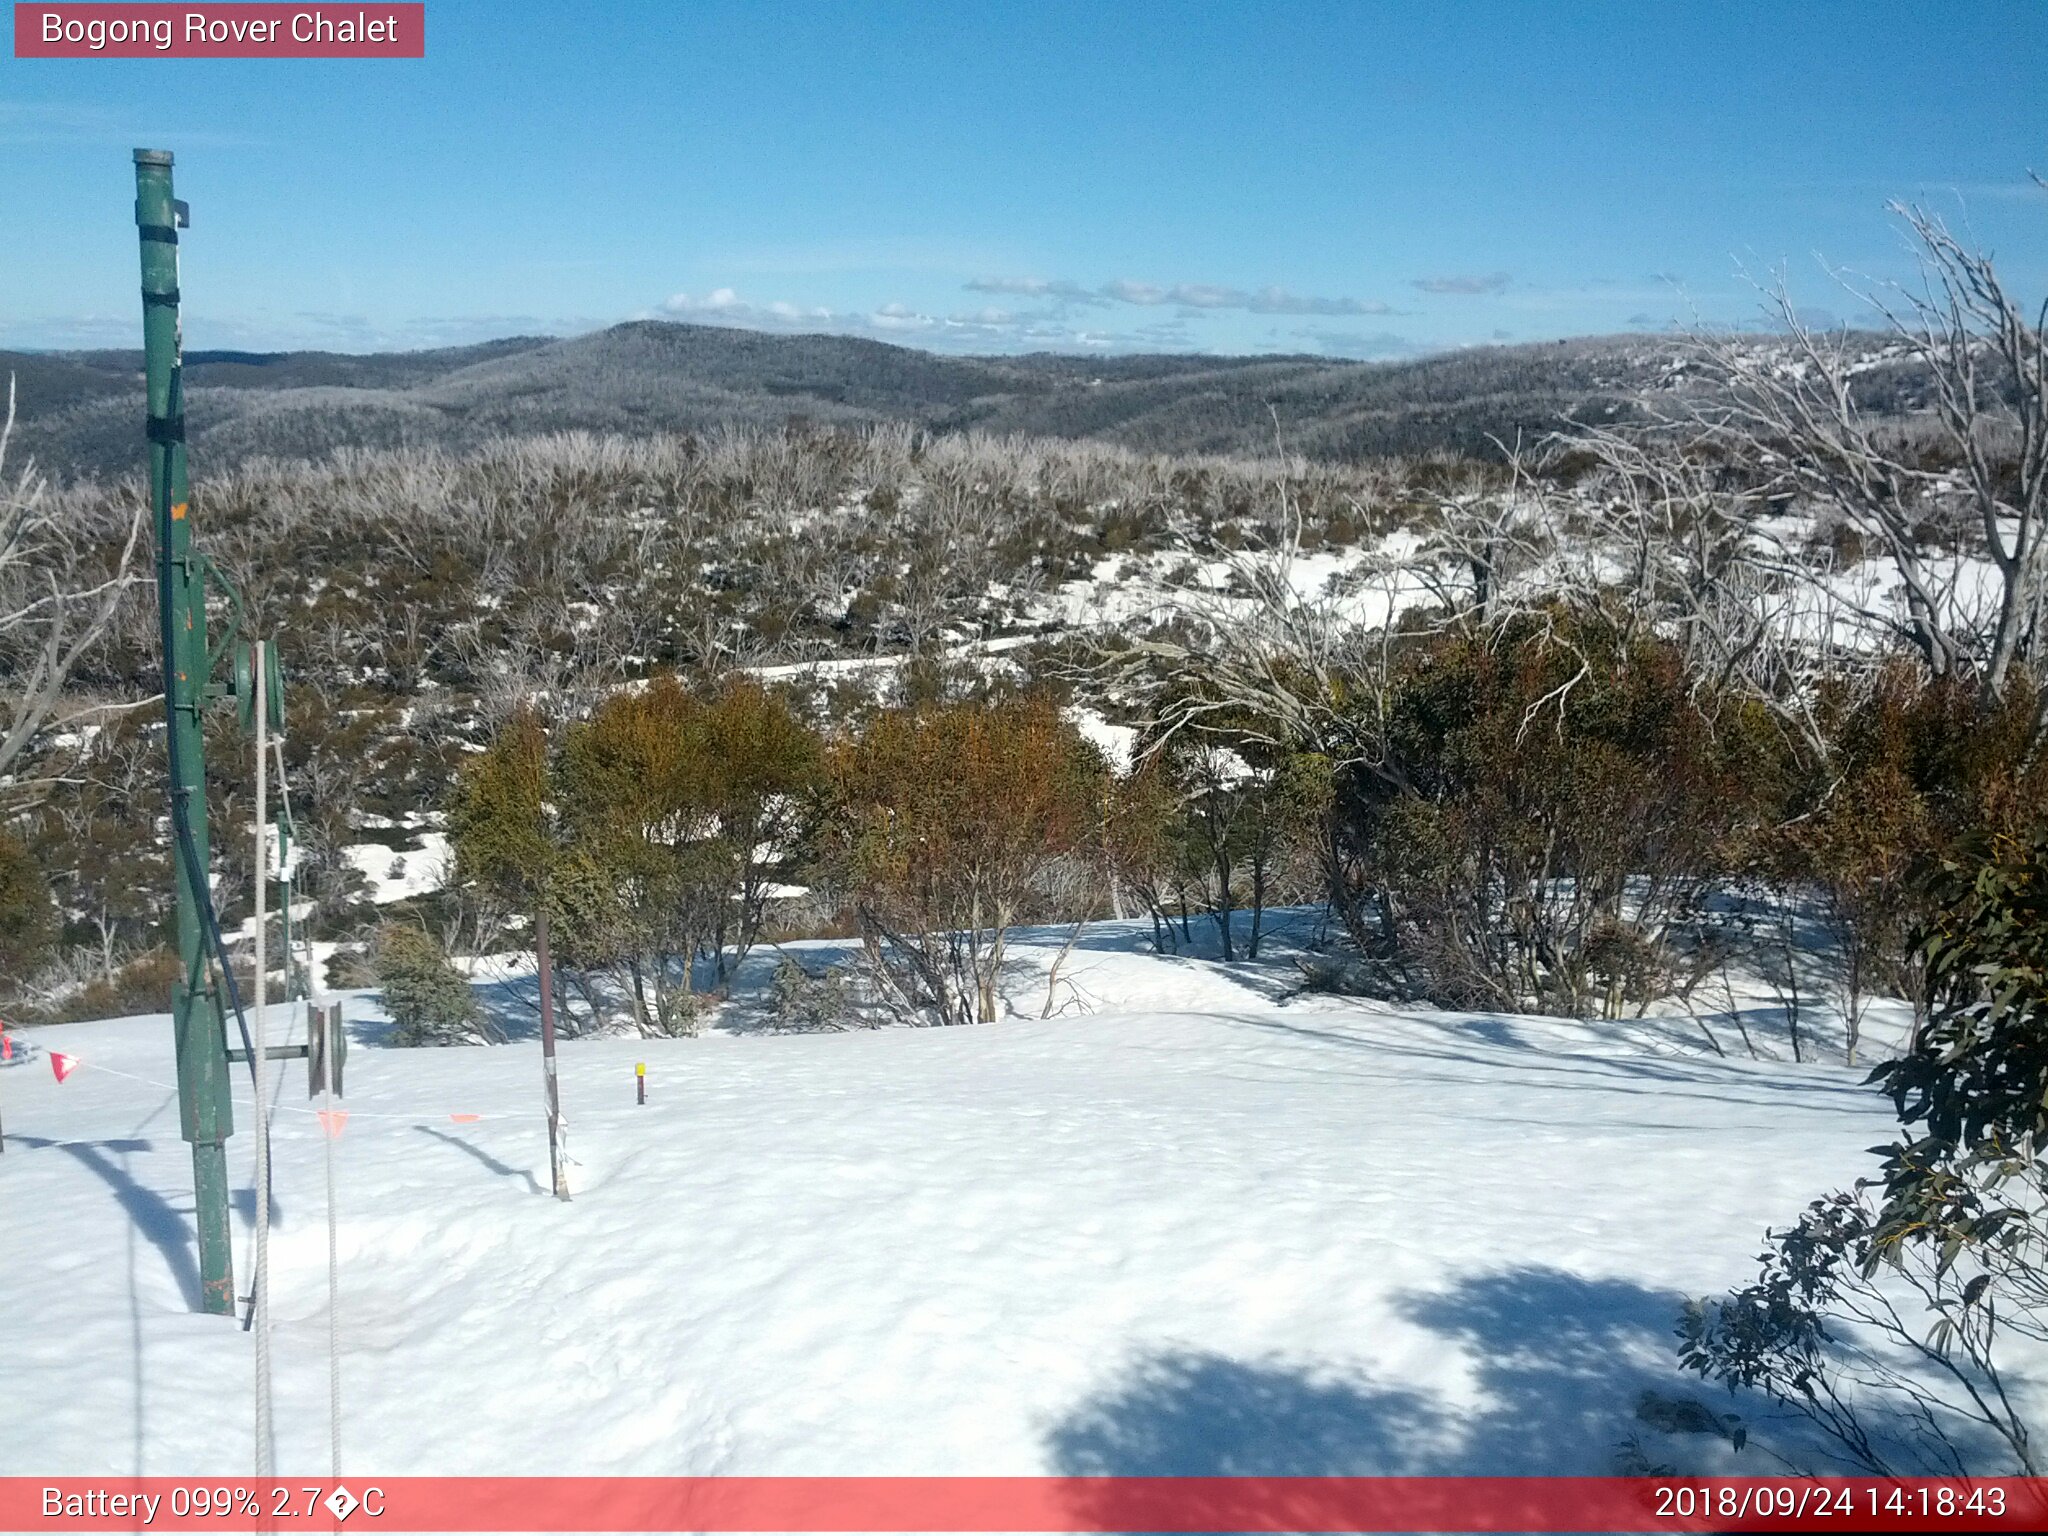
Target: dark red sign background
x=1023 y=1504
x=367 y=30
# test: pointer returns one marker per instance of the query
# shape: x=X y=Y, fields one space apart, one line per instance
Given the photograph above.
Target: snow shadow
x=166 y=1228
x=1187 y=1414
x=1464 y=1037
x=1284 y=933
x=1563 y=1363
x=1568 y=1376
x=502 y=1169
x=244 y=1202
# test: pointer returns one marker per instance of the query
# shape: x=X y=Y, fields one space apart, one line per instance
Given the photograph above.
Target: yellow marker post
x=640 y=1080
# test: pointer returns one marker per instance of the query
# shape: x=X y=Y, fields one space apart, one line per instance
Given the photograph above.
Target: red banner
x=116 y=31
x=1033 y=1504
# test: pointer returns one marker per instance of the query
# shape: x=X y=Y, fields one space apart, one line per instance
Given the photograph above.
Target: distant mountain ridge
x=80 y=411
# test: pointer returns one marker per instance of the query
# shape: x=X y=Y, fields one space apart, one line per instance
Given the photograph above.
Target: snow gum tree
x=499 y=817
x=64 y=572
x=502 y=823
x=1239 y=812
x=948 y=821
x=637 y=812
x=1141 y=846
x=765 y=786
x=1553 y=806
x=655 y=833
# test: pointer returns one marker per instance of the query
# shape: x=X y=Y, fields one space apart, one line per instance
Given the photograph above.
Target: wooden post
x=259 y=1289
x=329 y=1027
x=545 y=965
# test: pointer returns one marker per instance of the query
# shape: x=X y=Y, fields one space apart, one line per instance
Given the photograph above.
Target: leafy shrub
x=350 y=967
x=656 y=833
x=429 y=1000
x=1555 y=804
x=948 y=820
x=1918 y=768
x=28 y=915
x=1942 y=1260
x=806 y=1000
x=142 y=984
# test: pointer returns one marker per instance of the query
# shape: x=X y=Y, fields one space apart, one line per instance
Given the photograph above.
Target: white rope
x=416 y=1117
x=260 y=1304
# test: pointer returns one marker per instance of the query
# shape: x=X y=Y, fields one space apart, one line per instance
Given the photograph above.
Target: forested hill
x=80 y=411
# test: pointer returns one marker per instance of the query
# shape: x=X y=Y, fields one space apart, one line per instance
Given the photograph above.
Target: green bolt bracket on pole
x=184 y=577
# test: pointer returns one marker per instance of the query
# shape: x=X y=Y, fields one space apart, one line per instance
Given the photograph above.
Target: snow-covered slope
x=1203 y=1228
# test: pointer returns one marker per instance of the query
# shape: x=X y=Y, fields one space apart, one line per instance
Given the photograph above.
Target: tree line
x=662 y=832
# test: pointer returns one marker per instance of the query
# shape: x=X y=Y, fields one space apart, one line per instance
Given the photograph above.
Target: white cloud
x=1134 y=293
x=1036 y=288
x=988 y=327
x=1372 y=346
x=1269 y=300
x=1467 y=283
x=900 y=317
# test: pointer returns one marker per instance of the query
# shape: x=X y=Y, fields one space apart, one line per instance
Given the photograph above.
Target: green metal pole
x=205 y=1110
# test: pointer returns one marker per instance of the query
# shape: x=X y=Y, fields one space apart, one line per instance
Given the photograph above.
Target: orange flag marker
x=464 y=1119
x=332 y=1120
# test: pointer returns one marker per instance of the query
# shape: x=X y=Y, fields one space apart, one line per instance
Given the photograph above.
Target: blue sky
x=1358 y=179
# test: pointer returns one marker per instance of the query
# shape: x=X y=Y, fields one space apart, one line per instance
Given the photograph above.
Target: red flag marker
x=62 y=1065
x=6 y=1047
x=332 y=1120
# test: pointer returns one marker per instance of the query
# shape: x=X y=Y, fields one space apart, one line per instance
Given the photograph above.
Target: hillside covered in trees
x=1580 y=727
x=79 y=409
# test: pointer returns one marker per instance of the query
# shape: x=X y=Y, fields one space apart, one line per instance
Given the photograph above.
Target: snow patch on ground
x=395 y=874
x=1117 y=743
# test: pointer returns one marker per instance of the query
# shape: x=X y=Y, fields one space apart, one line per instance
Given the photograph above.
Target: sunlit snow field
x=1210 y=1225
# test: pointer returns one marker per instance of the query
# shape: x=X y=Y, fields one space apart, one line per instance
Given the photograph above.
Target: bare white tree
x=55 y=601
x=1953 y=503
x=1662 y=544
